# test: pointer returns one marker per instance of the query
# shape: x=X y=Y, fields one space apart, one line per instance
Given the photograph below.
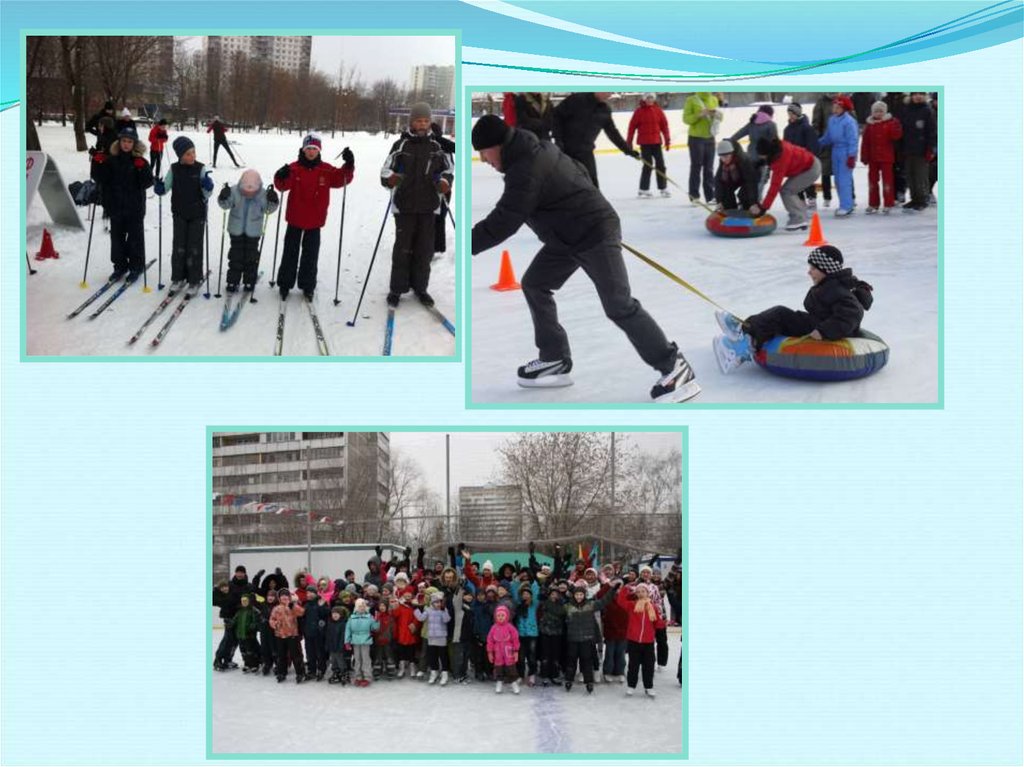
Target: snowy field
x=897 y=254
x=348 y=720
x=54 y=291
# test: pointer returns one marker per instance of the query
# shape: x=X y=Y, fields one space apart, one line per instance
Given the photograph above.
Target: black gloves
x=378 y=550
x=225 y=193
x=272 y=195
x=348 y=157
x=533 y=548
x=282 y=172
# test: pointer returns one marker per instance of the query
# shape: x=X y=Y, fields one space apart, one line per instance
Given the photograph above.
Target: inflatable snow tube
x=812 y=360
x=739 y=223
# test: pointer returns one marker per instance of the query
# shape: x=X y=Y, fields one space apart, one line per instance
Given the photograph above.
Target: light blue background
x=855 y=576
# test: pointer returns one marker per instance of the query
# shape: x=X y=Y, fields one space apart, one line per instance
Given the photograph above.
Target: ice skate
x=650 y=693
x=420 y=674
x=401 y=670
x=335 y=678
x=568 y=686
x=677 y=385
x=545 y=373
x=531 y=680
x=433 y=677
x=515 y=687
x=870 y=211
x=731 y=352
x=796 y=226
x=497 y=687
x=280 y=678
x=812 y=204
x=629 y=692
x=887 y=210
x=730 y=324
x=644 y=194
x=444 y=678
x=827 y=202
x=843 y=212
x=665 y=193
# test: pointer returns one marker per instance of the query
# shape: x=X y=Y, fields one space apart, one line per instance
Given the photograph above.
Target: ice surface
x=897 y=254
x=54 y=290
x=457 y=718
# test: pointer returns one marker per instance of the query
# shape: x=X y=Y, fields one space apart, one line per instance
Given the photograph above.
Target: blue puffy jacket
x=526 y=617
x=360 y=628
x=841 y=134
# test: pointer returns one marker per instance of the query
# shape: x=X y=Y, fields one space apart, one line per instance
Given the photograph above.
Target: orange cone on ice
x=816 y=238
x=46 y=249
x=506 y=277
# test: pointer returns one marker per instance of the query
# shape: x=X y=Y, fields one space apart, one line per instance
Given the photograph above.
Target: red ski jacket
x=309 y=189
x=792 y=161
x=649 y=124
x=157 y=138
x=878 y=144
x=403 y=616
x=641 y=627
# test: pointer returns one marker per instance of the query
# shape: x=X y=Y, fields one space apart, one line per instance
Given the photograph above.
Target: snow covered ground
x=54 y=291
x=897 y=254
x=457 y=718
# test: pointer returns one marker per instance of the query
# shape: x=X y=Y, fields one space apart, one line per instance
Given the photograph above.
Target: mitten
x=348 y=157
x=272 y=195
x=225 y=193
x=207 y=183
x=159 y=188
x=851 y=162
x=282 y=172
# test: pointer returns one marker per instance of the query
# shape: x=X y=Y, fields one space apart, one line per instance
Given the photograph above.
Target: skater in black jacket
x=577 y=122
x=553 y=195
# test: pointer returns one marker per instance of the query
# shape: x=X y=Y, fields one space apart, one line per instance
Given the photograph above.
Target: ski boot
x=231 y=664
x=117 y=274
x=177 y=287
x=732 y=352
x=393 y=299
x=192 y=291
x=231 y=288
x=309 y=295
x=425 y=298
x=678 y=384
x=132 y=276
x=545 y=373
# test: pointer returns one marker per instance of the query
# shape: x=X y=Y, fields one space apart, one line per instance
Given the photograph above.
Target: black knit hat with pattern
x=827 y=259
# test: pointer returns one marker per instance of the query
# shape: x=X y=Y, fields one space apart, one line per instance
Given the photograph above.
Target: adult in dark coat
x=920 y=141
x=577 y=122
x=819 y=121
x=894 y=101
x=553 y=195
x=228 y=597
x=102 y=128
x=736 y=178
x=535 y=114
x=800 y=132
x=219 y=129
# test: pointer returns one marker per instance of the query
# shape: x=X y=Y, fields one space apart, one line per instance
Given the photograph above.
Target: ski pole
x=259 y=250
x=341 y=232
x=452 y=217
x=220 y=267
x=160 y=242
x=675 y=278
x=88 y=248
x=206 y=230
x=366 y=282
x=28 y=263
x=277 y=236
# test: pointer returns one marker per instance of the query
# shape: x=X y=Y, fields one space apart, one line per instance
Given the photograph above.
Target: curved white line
x=506 y=9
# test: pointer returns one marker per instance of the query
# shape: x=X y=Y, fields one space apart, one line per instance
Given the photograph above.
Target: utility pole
x=448 y=487
x=612 y=509
x=309 y=514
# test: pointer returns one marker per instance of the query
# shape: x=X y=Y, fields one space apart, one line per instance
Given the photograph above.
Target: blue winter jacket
x=841 y=134
x=527 y=624
x=247 y=213
x=483 y=618
x=802 y=134
x=359 y=628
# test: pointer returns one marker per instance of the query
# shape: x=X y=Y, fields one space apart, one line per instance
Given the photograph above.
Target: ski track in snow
x=897 y=254
x=347 y=720
x=54 y=290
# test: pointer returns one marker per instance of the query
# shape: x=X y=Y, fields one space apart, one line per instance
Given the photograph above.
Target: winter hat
x=590 y=570
x=351 y=588
x=126 y=113
x=401 y=576
x=502 y=609
x=311 y=590
x=795 y=109
x=361 y=605
x=642 y=588
x=488 y=566
x=725 y=147
x=437 y=596
x=827 y=259
x=766 y=109
x=580 y=590
x=312 y=140
x=879 y=106
x=240 y=568
x=647 y=568
x=489 y=131
x=845 y=102
x=338 y=609
x=762 y=117
x=108 y=105
x=182 y=145
x=129 y=132
x=491 y=587
x=419 y=110
x=163 y=121
x=250 y=184
x=649 y=97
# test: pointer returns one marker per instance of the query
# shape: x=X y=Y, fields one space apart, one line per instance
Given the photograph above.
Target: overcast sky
x=375 y=57
x=474 y=461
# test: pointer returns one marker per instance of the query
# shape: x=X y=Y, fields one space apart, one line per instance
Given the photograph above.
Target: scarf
x=644 y=603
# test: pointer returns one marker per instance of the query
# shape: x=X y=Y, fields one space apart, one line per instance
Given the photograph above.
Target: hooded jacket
x=800 y=133
x=553 y=195
x=920 y=129
x=526 y=616
x=880 y=138
x=360 y=628
x=334 y=634
x=755 y=131
x=837 y=304
x=405 y=616
x=551 y=617
x=422 y=163
x=503 y=640
x=284 y=619
x=248 y=214
x=123 y=180
x=841 y=134
x=436 y=621
x=579 y=617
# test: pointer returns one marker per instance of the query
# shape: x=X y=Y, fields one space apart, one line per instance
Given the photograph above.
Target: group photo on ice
x=521 y=598
x=216 y=172
x=715 y=210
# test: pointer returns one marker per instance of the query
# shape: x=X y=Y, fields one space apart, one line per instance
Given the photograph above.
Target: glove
x=348 y=157
x=451 y=552
x=436 y=130
x=272 y=195
x=408 y=551
x=532 y=547
x=668 y=146
x=420 y=552
x=159 y=188
x=282 y=172
x=139 y=163
x=348 y=647
x=225 y=193
x=393 y=180
x=929 y=156
x=851 y=162
x=634 y=154
x=379 y=551
x=756 y=210
x=207 y=183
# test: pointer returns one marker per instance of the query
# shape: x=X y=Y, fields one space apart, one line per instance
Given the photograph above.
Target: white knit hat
x=488 y=566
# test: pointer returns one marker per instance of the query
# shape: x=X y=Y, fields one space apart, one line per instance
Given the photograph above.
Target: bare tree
x=385 y=95
x=73 y=63
x=652 y=498
x=116 y=58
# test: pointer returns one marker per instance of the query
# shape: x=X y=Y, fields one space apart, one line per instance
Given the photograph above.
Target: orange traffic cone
x=816 y=238
x=46 y=249
x=506 y=277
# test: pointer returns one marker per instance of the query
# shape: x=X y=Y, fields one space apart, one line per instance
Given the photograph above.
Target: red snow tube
x=739 y=223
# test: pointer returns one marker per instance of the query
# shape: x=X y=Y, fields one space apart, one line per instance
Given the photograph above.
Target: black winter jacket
x=745 y=186
x=123 y=180
x=535 y=114
x=579 y=119
x=580 y=622
x=802 y=134
x=422 y=163
x=838 y=303
x=919 y=128
x=549 y=192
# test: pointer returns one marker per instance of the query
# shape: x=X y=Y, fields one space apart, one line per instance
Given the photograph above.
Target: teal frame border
x=461 y=167
x=634 y=85
x=683 y=432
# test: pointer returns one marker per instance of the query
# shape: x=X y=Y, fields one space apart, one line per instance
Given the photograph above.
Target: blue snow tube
x=739 y=223
x=811 y=360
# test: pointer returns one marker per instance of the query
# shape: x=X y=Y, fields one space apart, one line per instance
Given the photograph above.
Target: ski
x=156 y=313
x=279 y=343
x=389 y=331
x=321 y=342
x=185 y=301
x=117 y=294
x=230 y=315
x=106 y=286
x=441 y=318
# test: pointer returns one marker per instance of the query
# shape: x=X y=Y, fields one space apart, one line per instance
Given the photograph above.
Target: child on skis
x=503 y=649
x=878 y=143
x=335 y=644
x=285 y=621
x=190 y=184
x=124 y=176
x=358 y=638
x=250 y=204
x=419 y=174
x=310 y=181
x=436 y=618
x=835 y=305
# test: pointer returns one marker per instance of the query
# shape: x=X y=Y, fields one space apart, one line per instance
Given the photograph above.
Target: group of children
x=454 y=622
x=418 y=171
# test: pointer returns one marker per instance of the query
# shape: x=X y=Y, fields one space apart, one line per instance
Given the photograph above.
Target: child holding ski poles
x=190 y=184
x=249 y=204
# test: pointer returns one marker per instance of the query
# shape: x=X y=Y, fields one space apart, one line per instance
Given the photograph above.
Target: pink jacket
x=503 y=640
